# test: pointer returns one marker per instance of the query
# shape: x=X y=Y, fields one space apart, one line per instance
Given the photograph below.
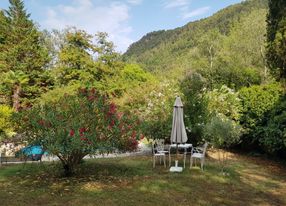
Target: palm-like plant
x=13 y=82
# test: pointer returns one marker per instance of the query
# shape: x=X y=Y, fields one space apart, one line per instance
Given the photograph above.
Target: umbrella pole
x=177 y=154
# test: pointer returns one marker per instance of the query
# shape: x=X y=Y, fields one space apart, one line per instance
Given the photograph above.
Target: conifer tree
x=23 y=57
x=276 y=37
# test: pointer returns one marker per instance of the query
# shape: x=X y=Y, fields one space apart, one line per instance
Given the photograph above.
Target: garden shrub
x=153 y=103
x=195 y=105
x=224 y=101
x=271 y=133
x=222 y=133
x=257 y=101
x=79 y=125
x=6 y=126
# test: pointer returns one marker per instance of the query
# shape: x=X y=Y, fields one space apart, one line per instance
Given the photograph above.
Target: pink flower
x=41 y=122
x=112 y=123
x=112 y=108
x=92 y=91
x=81 y=130
x=71 y=132
x=133 y=134
x=91 y=98
x=119 y=115
x=83 y=91
x=83 y=138
x=141 y=136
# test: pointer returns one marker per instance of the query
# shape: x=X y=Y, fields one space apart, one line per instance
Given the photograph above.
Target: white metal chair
x=158 y=151
x=199 y=153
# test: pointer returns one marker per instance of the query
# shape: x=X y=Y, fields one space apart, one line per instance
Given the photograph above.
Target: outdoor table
x=180 y=146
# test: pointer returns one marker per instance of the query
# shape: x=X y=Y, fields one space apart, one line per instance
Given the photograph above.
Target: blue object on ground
x=32 y=150
x=35 y=152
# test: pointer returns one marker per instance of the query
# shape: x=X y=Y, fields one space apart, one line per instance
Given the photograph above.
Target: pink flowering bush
x=79 y=125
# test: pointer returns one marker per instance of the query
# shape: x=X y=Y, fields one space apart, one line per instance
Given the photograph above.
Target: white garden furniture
x=180 y=146
x=199 y=153
x=158 y=151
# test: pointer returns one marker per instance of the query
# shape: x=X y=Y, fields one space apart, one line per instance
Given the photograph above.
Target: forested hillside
x=232 y=36
x=220 y=69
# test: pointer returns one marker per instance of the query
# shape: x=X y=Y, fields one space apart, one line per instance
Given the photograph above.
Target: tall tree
x=22 y=53
x=2 y=35
x=80 y=61
x=276 y=37
x=75 y=62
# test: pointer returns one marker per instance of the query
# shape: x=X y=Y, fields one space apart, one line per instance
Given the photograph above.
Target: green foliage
x=234 y=78
x=75 y=62
x=224 y=102
x=22 y=53
x=271 y=131
x=256 y=101
x=222 y=132
x=223 y=47
x=212 y=115
x=78 y=125
x=195 y=105
x=244 y=48
x=82 y=63
x=276 y=37
x=2 y=26
x=57 y=93
x=153 y=103
x=126 y=78
x=236 y=59
x=224 y=109
x=6 y=126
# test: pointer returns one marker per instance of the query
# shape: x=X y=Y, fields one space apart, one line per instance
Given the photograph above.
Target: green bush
x=79 y=125
x=224 y=101
x=6 y=126
x=224 y=109
x=257 y=101
x=222 y=132
x=195 y=105
x=153 y=103
x=271 y=132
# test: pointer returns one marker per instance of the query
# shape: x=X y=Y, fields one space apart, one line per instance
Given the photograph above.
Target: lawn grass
x=133 y=181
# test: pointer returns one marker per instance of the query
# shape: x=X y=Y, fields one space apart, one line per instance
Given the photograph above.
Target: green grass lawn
x=133 y=181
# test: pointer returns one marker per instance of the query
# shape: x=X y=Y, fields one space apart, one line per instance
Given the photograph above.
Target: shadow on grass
x=133 y=181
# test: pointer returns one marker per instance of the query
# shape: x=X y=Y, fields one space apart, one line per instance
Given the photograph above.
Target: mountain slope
x=179 y=48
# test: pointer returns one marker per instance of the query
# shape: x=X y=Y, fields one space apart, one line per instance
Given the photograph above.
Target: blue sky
x=125 y=21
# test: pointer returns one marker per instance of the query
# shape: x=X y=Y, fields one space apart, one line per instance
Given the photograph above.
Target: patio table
x=180 y=146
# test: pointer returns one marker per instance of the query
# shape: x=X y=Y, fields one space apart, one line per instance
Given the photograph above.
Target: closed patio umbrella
x=179 y=134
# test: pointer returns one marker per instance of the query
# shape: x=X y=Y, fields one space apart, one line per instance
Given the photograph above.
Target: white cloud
x=176 y=3
x=83 y=14
x=184 y=8
x=135 y=2
x=196 y=12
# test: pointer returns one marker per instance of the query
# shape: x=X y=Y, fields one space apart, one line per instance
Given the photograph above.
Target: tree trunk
x=69 y=163
x=264 y=63
x=16 y=97
x=68 y=170
x=211 y=56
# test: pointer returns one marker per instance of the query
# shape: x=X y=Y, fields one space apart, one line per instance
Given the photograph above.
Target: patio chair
x=199 y=153
x=159 y=152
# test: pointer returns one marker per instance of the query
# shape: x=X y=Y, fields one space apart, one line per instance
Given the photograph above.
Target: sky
x=126 y=21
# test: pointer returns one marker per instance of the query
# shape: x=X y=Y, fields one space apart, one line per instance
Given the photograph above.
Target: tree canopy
x=23 y=57
x=276 y=37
